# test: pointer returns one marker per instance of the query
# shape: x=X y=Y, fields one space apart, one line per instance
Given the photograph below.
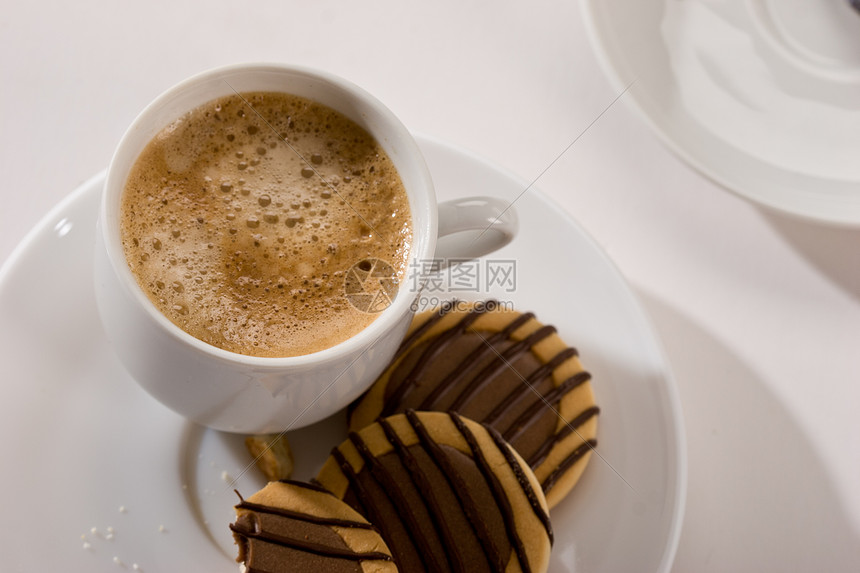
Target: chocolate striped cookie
x=446 y=493
x=501 y=368
x=293 y=526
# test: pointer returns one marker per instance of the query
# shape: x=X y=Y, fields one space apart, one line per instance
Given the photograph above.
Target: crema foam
x=243 y=220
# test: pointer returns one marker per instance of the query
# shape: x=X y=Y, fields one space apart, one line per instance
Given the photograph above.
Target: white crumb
x=87 y=545
x=122 y=509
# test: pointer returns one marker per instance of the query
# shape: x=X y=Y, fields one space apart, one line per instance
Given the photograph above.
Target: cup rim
x=424 y=198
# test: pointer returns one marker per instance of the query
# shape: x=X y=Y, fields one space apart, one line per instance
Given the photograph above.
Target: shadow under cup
x=222 y=389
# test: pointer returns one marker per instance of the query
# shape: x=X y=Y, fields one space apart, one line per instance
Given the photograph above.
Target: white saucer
x=763 y=96
x=98 y=476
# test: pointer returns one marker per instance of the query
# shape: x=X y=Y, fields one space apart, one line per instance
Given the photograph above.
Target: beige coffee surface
x=248 y=220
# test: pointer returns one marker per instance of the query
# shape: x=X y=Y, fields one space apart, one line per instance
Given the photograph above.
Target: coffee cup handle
x=473 y=227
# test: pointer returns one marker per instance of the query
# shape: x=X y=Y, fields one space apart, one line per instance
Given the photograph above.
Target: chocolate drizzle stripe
x=501 y=361
x=495 y=488
x=480 y=351
x=436 y=346
x=368 y=510
x=282 y=512
x=542 y=452
x=398 y=500
x=313 y=486
x=497 y=561
x=535 y=377
x=407 y=343
x=308 y=546
x=422 y=484
x=526 y=418
x=416 y=334
x=574 y=457
x=524 y=482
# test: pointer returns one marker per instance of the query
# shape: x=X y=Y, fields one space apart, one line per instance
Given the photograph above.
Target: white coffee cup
x=247 y=394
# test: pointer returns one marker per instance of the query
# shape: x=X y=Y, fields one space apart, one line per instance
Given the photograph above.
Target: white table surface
x=759 y=313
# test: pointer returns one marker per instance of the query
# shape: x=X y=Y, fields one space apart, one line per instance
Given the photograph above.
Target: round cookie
x=502 y=368
x=293 y=526
x=446 y=493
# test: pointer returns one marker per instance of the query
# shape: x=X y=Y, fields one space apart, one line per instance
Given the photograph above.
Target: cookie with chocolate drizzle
x=447 y=494
x=502 y=368
x=295 y=526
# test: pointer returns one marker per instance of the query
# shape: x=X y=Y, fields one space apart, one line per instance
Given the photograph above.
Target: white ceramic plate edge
x=836 y=217
x=24 y=244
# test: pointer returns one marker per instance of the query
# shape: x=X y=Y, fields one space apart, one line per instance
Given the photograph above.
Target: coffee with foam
x=243 y=220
